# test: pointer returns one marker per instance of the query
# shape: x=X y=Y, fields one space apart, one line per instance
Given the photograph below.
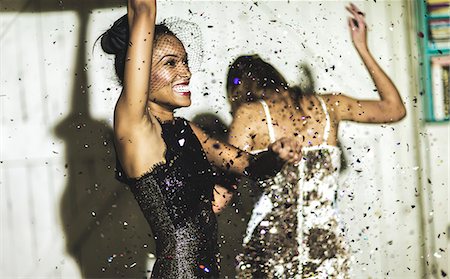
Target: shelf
x=427 y=50
x=442 y=121
x=438 y=51
x=434 y=17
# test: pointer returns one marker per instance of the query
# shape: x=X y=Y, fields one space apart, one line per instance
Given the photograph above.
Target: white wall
x=60 y=203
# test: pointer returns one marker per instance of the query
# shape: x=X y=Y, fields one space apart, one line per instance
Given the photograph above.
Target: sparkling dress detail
x=294 y=230
x=175 y=198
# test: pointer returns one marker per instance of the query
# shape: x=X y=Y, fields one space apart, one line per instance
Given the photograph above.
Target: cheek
x=160 y=78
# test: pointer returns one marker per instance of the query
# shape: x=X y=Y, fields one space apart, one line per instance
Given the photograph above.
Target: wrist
x=144 y=9
x=362 y=48
x=264 y=165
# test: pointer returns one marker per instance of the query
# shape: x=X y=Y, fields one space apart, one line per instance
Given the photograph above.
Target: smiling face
x=170 y=75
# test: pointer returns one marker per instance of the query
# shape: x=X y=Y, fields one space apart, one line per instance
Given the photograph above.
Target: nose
x=183 y=71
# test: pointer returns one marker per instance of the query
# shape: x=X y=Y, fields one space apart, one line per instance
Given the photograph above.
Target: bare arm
x=131 y=106
x=137 y=133
x=241 y=140
x=390 y=107
x=222 y=196
x=229 y=158
x=222 y=155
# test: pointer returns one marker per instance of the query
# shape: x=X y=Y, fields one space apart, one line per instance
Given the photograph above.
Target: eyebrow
x=168 y=55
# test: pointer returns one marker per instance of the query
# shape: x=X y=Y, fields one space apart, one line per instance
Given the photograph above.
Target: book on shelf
x=440 y=45
x=440 y=30
x=438 y=7
x=437 y=1
x=440 y=66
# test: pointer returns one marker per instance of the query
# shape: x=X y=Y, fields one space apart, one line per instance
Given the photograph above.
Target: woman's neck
x=283 y=96
x=163 y=113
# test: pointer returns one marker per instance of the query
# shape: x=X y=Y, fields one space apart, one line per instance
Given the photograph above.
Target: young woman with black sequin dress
x=166 y=160
x=295 y=229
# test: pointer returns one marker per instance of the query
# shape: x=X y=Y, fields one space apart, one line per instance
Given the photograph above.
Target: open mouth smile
x=182 y=89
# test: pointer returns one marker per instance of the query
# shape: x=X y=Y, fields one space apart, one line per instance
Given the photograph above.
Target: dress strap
x=269 y=121
x=326 y=131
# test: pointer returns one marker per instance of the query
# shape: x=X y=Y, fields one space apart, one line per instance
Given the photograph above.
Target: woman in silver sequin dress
x=295 y=230
x=166 y=160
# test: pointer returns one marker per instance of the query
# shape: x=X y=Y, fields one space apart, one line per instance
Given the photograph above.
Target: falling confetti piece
x=181 y=142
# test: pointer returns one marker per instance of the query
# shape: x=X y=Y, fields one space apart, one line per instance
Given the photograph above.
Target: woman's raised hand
x=358 y=28
x=288 y=149
x=147 y=7
x=139 y=5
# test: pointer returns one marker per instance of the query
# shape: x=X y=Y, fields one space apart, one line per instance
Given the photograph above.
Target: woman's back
x=282 y=116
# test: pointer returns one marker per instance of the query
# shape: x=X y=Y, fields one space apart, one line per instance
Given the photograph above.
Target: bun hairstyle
x=115 y=41
x=255 y=76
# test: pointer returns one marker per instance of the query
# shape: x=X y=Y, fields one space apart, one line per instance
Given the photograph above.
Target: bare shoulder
x=248 y=109
x=338 y=104
x=248 y=116
x=247 y=121
x=333 y=99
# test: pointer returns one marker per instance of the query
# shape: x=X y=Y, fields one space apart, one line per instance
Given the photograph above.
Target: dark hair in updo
x=115 y=41
x=258 y=79
x=254 y=74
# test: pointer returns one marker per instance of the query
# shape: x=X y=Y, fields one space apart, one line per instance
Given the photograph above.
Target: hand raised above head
x=357 y=25
x=145 y=6
x=287 y=149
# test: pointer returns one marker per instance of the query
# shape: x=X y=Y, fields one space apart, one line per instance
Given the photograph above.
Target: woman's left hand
x=358 y=28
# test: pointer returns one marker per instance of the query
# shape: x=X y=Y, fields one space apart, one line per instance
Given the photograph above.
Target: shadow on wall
x=105 y=231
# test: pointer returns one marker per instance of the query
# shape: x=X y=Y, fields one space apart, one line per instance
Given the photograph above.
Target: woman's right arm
x=131 y=107
x=137 y=133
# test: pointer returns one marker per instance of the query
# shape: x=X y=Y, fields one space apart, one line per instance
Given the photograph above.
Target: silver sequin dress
x=294 y=230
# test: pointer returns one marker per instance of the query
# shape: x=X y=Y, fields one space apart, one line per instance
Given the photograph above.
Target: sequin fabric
x=301 y=236
x=175 y=198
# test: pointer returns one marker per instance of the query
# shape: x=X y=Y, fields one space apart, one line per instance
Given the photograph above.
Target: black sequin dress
x=175 y=198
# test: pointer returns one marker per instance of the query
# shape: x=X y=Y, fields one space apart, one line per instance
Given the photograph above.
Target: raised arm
x=131 y=106
x=137 y=132
x=390 y=107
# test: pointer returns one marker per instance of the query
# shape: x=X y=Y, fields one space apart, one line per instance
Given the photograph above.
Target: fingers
x=358 y=17
x=276 y=146
x=288 y=150
x=351 y=23
x=358 y=11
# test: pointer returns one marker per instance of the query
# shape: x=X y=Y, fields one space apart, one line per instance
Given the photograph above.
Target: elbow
x=216 y=209
x=393 y=111
x=397 y=115
x=402 y=113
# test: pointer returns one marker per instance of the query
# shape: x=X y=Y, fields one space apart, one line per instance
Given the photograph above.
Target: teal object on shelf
x=427 y=51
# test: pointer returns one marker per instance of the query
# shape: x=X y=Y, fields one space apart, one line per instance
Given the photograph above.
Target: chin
x=183 y=100
x=186 y=103
x=181 y=104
